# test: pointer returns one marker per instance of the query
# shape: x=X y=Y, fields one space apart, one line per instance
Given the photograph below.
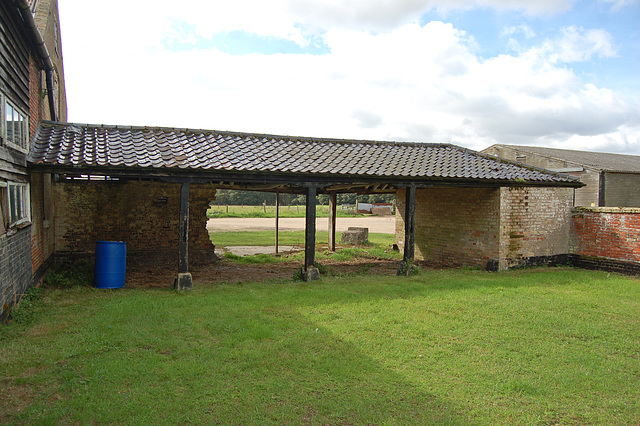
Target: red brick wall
x=86 y=212
x=35 y=98
x=607 y=232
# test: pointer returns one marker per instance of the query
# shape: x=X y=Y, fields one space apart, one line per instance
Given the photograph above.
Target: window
x=18 y=203
x=15 y=126
x=33 y=4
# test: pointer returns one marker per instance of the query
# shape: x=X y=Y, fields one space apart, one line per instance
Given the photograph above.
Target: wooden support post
x=410 y=224
x=310 y=271
x=277 y=218
x=332 y=221
x=409 y=231
x=183 y=281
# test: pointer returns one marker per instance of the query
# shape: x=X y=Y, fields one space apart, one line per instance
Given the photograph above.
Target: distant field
x=292 y=238
x=270 y=211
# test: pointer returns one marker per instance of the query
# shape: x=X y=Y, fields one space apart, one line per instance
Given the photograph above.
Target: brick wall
x=606 y=232
x=86 y=212
x=493 y=228
x=534 y=224
x=15 y=268
x=42 y=237
x=454 y=226
x=35 y=100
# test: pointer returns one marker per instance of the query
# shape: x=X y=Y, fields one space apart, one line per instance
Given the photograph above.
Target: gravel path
x=376 y=224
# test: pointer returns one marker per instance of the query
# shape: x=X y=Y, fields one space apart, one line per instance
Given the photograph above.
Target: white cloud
x=419 y=83
x=577 y=45
x=619 y=4
x=523 y=29
x=293 y=20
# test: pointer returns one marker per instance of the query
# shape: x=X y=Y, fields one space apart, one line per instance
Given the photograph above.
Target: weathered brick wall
x=534 y=224
x=86 y=212
x=35 y=100
x=42 y=236
x=454 y=226
x=606 y=232
x=489 y=227
x=15 y=267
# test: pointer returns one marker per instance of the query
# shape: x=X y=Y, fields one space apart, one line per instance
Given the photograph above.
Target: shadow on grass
x=158 y=357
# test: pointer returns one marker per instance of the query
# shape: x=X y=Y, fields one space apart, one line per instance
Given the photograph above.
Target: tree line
x=257 y=198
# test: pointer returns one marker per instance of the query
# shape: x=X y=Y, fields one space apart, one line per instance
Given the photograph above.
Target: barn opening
x=243 y=223
x=178 y=171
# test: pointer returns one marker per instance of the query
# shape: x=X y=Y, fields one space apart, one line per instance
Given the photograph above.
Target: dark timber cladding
x=14 y=57
x=287 y=164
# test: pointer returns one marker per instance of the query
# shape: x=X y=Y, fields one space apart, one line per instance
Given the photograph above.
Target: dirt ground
x=376 y=224
x=224 y=271
x=141 y=275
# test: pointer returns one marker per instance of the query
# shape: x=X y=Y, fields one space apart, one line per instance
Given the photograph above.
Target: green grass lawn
x=295 y=238
x=541 y=346
x=270 y=211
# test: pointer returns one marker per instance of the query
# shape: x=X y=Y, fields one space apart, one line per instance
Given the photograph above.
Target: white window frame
x=6 y=106
x=18 y=203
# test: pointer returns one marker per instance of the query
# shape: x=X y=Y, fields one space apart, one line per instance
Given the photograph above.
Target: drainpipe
x=43 y=53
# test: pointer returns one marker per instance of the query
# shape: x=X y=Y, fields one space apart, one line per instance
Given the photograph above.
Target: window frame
x=23 y=126
x=18 y=202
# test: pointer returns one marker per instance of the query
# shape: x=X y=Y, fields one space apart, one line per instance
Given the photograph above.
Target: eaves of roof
x=173 y=152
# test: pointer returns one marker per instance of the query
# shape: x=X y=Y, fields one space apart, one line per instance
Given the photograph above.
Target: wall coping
x=618 y=210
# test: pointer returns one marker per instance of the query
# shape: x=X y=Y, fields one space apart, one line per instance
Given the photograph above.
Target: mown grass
x=543 y=346
x=285 y=238
x=270 y=211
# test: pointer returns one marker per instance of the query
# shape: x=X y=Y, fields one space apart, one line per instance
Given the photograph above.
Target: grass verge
x=285 y=238
x=542 y=346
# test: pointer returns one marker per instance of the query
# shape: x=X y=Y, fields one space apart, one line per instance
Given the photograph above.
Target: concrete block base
x=183 y=282
x=355 y=235
x=311 y=274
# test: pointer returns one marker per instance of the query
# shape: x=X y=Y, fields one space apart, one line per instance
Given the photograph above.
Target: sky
x=554 y=73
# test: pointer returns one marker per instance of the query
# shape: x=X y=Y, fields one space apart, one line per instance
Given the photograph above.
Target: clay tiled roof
x=90 y=146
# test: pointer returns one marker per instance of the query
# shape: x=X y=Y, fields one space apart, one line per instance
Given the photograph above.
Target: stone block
x=355 y=235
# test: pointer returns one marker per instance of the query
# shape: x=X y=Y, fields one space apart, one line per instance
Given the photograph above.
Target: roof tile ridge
x=253 y=135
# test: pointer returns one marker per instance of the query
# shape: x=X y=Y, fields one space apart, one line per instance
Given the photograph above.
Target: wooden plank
x=410 y=224
x=14 y=157
x=183 y=244
x=310 y=228
x=602 y=202
x=277 y=218
x=14 y=51
x=333 y=201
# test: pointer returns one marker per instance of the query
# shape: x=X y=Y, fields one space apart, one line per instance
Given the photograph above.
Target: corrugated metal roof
x=597 y=160
x=95 y=146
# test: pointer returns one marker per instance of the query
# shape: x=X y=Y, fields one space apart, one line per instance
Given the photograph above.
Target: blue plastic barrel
x=111 y=262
